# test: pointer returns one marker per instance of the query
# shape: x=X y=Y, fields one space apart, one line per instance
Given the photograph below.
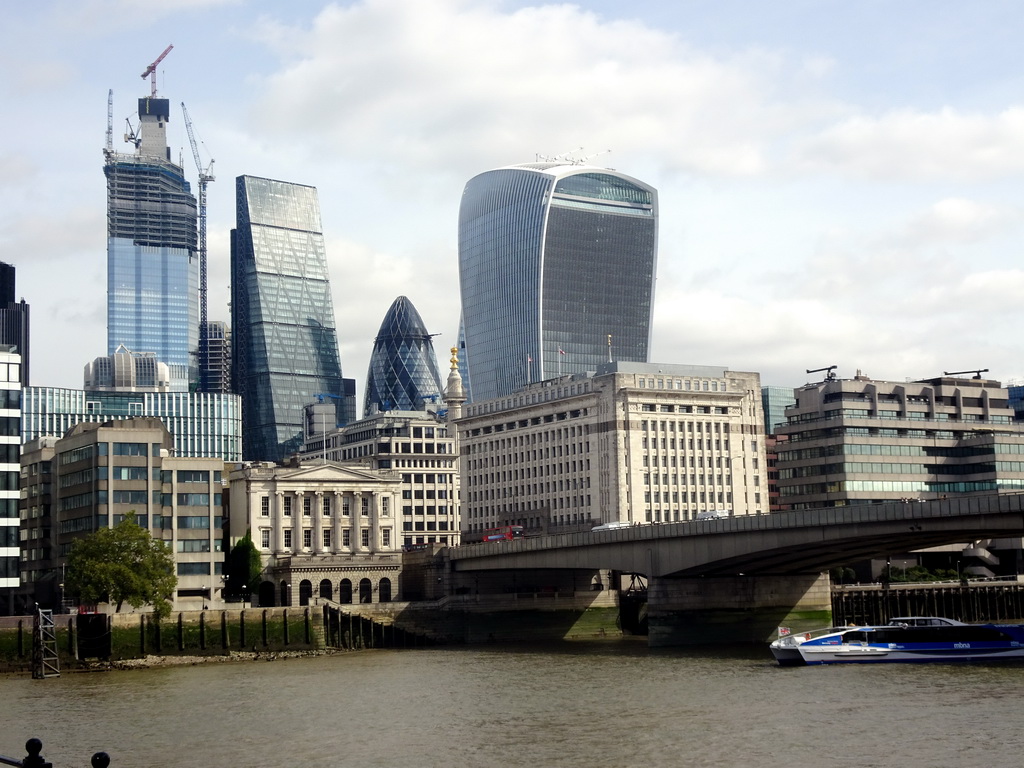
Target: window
x=287 y=538
x=385 y=506
x=265 y=538
x=385 y=536
x=193 y=476
x=364 y=537
x=307 y=538
x=364 y=508
x=129 y=449
x=265 y=506
x=193 y=569
x=327 y=539
x=287 y=506
x=327 y=506
x=346 y=538
x=194 y=522
x=307 y=506
x=345 y=507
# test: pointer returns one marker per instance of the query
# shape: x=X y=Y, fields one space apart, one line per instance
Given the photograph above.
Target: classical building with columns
x=324 y=529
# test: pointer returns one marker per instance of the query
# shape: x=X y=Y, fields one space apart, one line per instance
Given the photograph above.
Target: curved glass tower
x=403 y=372
x=556 y=268
x=285 y=349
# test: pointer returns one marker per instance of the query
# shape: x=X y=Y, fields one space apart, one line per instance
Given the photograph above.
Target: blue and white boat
x=903 y=639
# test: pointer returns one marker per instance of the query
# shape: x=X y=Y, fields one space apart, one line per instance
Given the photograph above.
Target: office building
x=864 y=441
x=630 y=442
x=127 y=371
x=14 y=320
x=774 y=401
x=556 y=272
x=402 y=375
x=97 y=475
x=201 y=425
x=323 y=529
x=218 y=358
x=10 y=469
x=152 y=262
x=420 y=448
x=284 y=346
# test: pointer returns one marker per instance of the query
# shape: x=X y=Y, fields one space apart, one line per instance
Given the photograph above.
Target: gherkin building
x=403 y=370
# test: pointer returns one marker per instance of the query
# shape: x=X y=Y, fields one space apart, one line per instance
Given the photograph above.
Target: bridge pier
x=734 y=609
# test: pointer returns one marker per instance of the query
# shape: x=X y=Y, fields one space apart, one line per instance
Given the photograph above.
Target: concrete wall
x=737 y=609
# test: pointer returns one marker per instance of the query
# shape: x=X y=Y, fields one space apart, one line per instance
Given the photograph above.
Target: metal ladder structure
x=45 y=662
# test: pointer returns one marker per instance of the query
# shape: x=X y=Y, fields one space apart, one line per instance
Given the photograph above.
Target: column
x=318 y=522
x=336 y=522
x=277 y=514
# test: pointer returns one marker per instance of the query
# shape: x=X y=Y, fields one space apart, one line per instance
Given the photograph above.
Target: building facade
x=864 y=441
x=152 y=260
x=201 y=425
x=97 y=475
x=218 y=357
x=421 y=449
x=632 y=442
x=323 y=530
x=10 y=470
x=403 y=369
x=284 y=346
x=556 y=270
x=14 y=320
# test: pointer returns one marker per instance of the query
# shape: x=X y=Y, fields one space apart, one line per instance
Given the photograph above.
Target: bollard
x=34 y=759
x=100 y=760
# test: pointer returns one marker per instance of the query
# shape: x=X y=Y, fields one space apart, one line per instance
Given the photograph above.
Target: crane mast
x=205 y=176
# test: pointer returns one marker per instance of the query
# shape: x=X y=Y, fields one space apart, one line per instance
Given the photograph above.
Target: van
x=612 y=526
x=712 y=514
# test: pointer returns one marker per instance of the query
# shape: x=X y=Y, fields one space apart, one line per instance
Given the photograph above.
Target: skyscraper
x=557 y=268
x=152 y=265
x=14 y=324
x=284 y=347
x=403 y=370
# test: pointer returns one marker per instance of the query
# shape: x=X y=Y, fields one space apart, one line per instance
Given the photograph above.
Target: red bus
x=504 y=533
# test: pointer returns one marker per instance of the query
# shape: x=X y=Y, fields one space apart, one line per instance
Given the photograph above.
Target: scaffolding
x=45 y=662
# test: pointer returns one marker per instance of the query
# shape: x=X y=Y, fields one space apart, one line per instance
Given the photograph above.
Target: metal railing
x=35 y=759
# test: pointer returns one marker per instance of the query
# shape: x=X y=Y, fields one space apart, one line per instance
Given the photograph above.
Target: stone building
x=631 y=442
x=324 y=529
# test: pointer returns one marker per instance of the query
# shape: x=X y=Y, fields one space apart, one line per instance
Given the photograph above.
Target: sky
x=839 y=183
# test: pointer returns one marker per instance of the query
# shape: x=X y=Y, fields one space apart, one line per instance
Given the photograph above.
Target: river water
x=615 y=704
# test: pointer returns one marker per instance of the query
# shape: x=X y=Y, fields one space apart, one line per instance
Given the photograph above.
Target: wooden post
x=224 y=630
x=285 y=615
x=142 y=634
x=181 y=633
x=265 y=628
x=202 y=631
x=241 y=629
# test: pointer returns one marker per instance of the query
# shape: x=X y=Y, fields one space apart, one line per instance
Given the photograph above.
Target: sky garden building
x=556 y=269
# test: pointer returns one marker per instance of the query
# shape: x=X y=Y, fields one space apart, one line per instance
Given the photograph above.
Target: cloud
x=458 y=84
x=909 y=144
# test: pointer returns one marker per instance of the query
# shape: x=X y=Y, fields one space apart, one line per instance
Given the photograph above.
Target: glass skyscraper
x=152 y=264
x=284 y=346
x=557 y=268
x=403 y=372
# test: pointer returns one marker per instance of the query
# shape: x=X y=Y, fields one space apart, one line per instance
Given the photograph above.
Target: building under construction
x=152 y=255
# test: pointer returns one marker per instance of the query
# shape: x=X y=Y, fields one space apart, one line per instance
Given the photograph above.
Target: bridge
x=746 y=575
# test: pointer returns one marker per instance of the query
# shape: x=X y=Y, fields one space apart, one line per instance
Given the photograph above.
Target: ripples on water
x=595 y=705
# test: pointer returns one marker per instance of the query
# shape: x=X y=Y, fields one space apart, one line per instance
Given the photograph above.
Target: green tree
x=123 y=564
x=244 y=567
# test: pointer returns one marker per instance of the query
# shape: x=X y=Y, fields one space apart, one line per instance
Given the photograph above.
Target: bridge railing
x=34 y=757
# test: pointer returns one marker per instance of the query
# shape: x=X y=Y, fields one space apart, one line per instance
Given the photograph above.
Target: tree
x=244 y=567
x=123 y=564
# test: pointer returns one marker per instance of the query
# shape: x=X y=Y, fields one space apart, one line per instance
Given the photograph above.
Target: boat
x=903 y=639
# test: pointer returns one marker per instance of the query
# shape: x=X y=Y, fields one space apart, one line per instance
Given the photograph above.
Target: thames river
x=615 y=704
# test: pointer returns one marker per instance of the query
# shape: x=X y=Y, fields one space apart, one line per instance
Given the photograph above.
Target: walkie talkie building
x=556 y=268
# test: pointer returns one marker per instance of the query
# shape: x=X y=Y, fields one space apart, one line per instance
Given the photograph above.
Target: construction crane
x=976 y=371
x=110 y=121
x=151 y=71
x=205 y=177
x=829 y=372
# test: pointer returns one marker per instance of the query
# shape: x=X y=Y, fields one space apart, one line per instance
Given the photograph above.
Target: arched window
x=365 y=591
x=384 y=589
x=345 y=591
x=305 y=591
x=326 y=590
